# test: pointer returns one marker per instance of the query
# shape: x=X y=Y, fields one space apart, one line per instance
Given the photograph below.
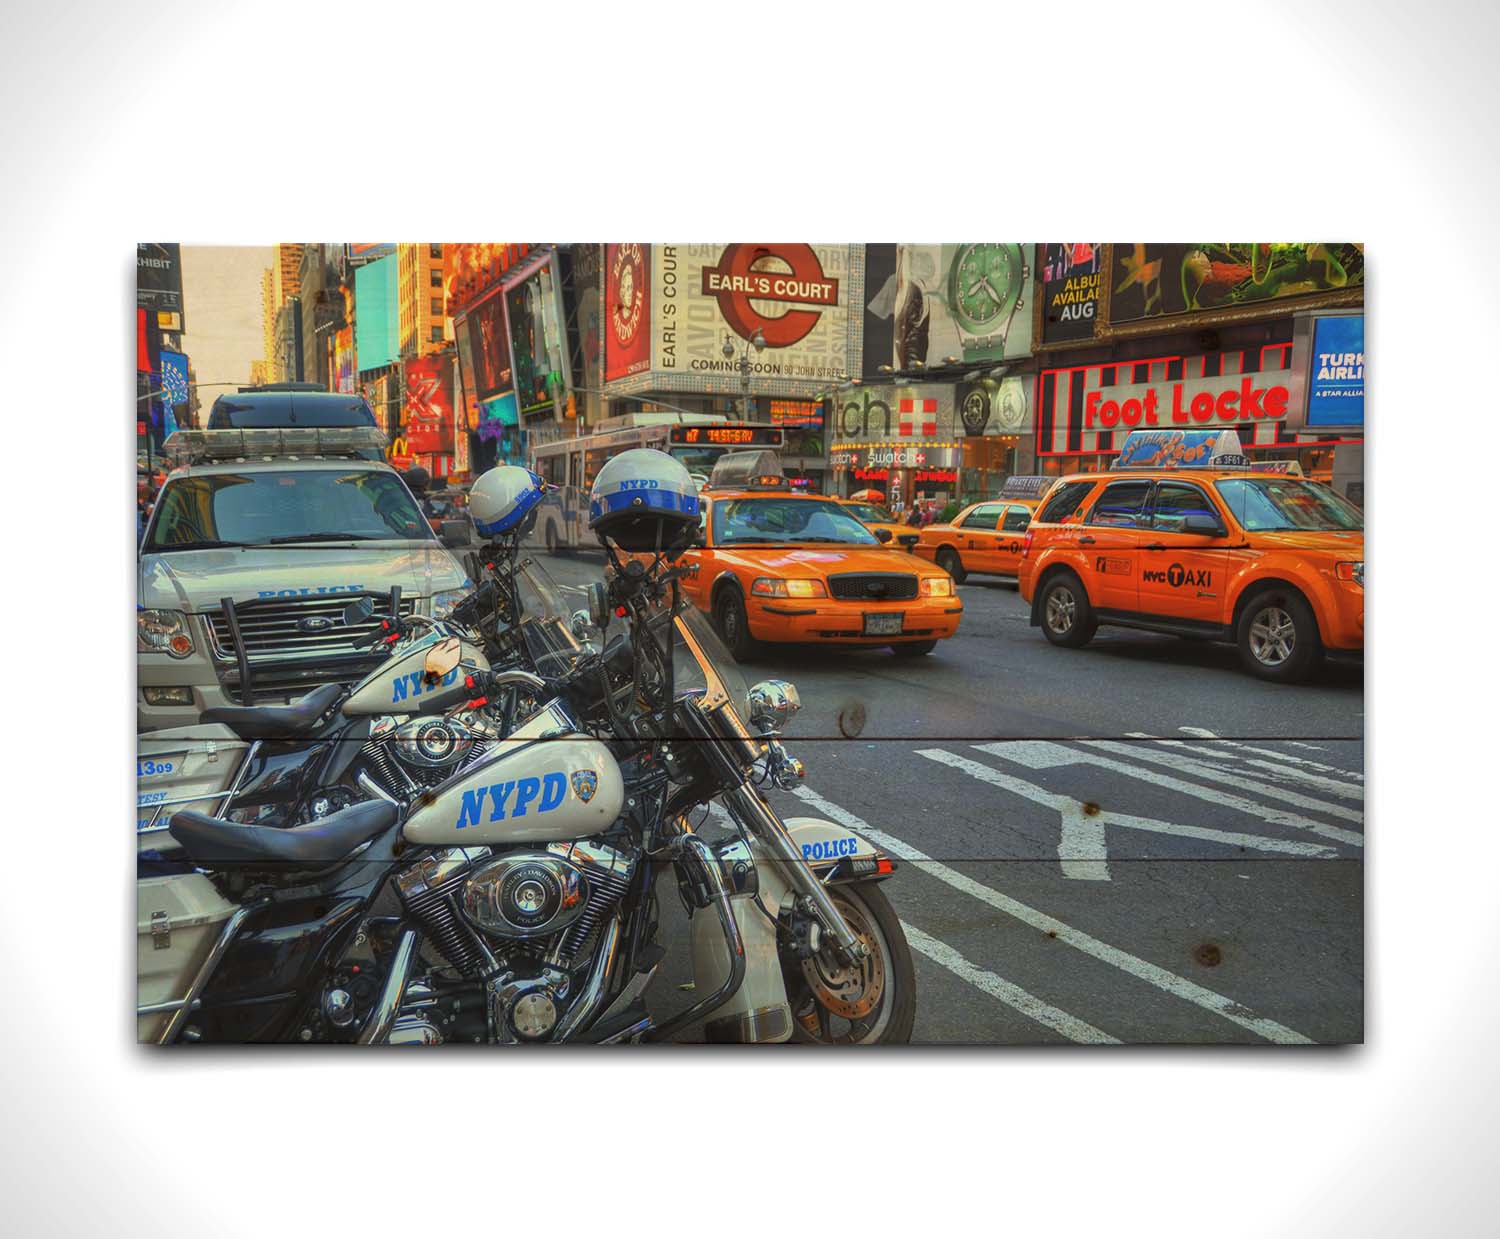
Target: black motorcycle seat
x=212 y=841
x=277 y=722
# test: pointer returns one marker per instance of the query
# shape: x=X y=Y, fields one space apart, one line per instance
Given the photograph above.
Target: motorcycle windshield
x=545 y=627
x=700 y=662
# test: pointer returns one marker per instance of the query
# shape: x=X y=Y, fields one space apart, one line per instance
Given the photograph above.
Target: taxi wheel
x=734 y=625
x=913 y=649
x=1278 y=637
x=1067 y=617
x=949 y=562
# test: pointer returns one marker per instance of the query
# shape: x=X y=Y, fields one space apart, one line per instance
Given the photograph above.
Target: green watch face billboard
x=935 y=305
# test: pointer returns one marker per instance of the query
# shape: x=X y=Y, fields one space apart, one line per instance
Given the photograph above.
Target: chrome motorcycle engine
x=403 y=758
x=523 y=922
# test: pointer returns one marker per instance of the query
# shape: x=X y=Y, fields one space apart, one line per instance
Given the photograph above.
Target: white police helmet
x=504 y=501
x=643 y=500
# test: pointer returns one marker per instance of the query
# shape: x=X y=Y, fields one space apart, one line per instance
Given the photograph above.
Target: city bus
x=571 y=464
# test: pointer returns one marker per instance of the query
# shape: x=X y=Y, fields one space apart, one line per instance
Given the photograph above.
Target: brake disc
x=851 y=991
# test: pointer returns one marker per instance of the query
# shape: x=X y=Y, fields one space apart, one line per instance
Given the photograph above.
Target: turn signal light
x=772 y=587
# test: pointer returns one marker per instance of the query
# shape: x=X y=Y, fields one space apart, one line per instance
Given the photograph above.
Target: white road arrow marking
x=1170 y=982
x=1010 y=994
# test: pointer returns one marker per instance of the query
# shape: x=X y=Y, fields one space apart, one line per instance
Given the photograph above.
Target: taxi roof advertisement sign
x=1181 y=449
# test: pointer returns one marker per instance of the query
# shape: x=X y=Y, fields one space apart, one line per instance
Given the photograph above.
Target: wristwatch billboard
x=986 y=288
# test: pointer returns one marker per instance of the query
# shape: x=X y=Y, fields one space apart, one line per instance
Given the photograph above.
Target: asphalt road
x=1132 y=842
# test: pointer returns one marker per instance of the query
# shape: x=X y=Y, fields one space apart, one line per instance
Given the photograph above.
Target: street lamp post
x=759 y=341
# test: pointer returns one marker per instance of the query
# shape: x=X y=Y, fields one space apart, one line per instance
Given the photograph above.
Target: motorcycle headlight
x=163 y=632
x=936 y=587
x=445 y=600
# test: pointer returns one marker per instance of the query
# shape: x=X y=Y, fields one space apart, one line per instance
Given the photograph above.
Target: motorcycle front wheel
x=872 y=1002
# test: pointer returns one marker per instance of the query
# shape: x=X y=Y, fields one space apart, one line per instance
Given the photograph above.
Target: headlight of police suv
x=163 y=632
x=445 y=600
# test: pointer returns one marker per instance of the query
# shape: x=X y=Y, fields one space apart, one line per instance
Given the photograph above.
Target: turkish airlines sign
x=1222 y=400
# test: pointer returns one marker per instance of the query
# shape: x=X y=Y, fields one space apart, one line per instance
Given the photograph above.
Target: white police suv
x=251 y=555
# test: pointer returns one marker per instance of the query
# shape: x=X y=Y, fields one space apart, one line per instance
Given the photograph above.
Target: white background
x=253 y=122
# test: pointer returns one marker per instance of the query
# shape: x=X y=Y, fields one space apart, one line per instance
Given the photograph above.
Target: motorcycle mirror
x=772 y=703
x=358 y=611
x=441 y=659
x=580 y=624
x=598 y=609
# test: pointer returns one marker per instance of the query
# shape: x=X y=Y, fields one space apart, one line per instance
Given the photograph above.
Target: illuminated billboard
x=376 y=314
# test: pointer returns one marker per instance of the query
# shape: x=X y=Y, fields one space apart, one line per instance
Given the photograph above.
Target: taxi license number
x=884 y=624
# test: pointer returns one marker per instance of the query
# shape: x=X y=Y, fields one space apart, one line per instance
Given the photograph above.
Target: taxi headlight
x=774 y=587
x=445 y=600
x=163 y=632
x=1352 y=571
x=936 y=587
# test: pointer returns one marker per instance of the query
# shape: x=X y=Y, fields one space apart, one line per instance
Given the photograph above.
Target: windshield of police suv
x=868 y=512
x=284 y=508
x=1264 y=505
x=780 y=519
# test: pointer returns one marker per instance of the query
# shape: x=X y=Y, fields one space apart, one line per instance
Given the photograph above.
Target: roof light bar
x=286 y=441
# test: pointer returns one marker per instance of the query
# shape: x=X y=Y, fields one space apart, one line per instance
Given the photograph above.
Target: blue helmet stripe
x=645 y=501
x=509 y=520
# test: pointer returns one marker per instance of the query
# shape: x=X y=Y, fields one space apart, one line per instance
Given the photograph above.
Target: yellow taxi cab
x=985 y=537
x=868 y=508
x=1184 y=535
x=772 y=565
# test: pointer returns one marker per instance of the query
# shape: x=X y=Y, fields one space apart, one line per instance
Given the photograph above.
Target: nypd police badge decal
x=585 y=784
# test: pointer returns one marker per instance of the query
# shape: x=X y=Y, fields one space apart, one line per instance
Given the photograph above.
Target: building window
x=437 y=278
x=437 y=335
x=437 y=306
x=435 y=251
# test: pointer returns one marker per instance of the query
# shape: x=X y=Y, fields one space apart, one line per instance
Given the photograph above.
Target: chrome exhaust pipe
x=591 y=999
x=403 y=962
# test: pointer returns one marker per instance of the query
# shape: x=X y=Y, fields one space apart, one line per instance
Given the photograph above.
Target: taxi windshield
x=1263 y=505
x=779 y=519
x=868 y=512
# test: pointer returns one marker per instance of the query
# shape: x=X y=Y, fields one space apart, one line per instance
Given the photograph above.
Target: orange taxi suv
x=985 y=537
x=1185 y=536
x=771 y=565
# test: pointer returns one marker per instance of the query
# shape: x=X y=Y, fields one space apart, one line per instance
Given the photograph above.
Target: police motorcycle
x=527 y=883
x=288 y=765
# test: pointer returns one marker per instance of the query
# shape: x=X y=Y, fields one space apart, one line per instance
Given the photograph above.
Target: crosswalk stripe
x=1204 y=733
x=999 y=988
x=1170 y=982
x=1103 y=817
x=1276 y=770
x=1215 y=774
x=1214 y=795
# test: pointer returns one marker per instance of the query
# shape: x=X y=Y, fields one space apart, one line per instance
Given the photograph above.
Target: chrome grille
x=276 y=629
x=873 y=586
